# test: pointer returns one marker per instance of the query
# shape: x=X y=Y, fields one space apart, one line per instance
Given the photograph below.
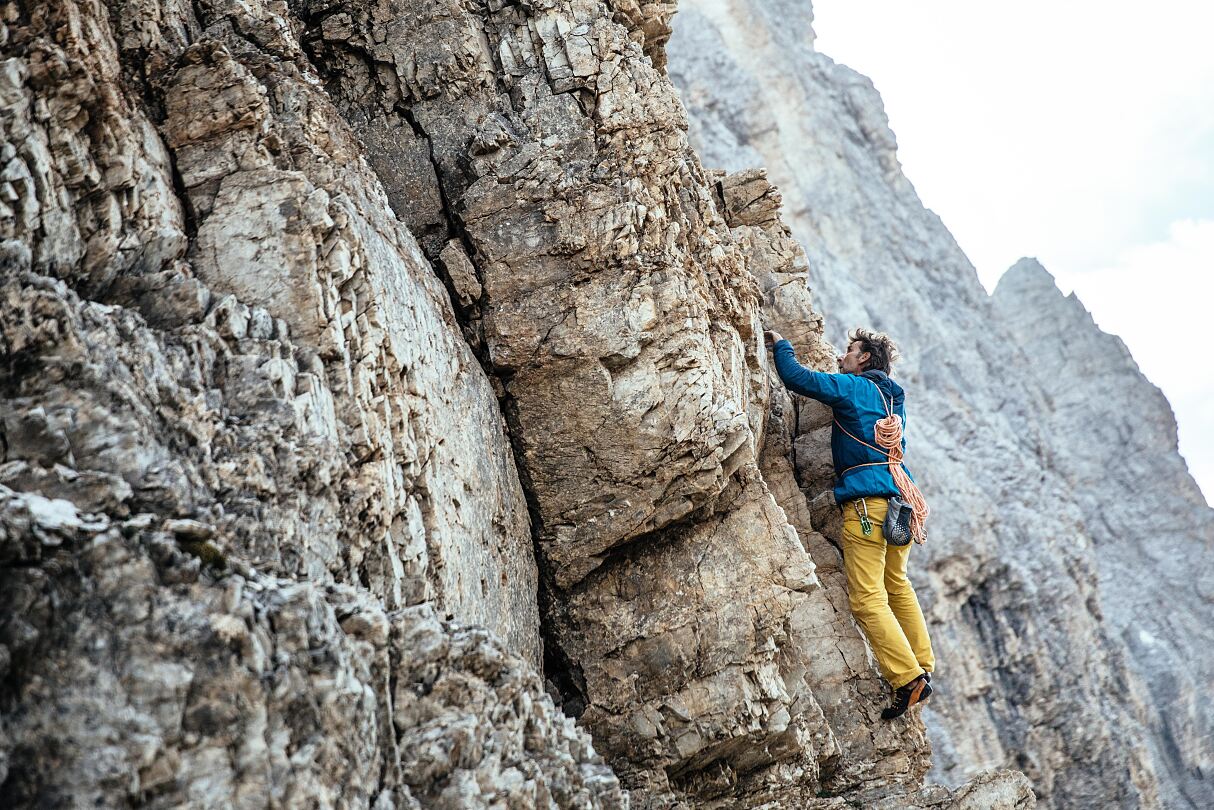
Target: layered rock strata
x=607 y=281
x=143 y=677
x=222 y=346
x=317 y=321
x=1034 y=673
x=276 y=357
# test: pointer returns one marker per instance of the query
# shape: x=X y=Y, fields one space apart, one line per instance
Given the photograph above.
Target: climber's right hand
x=771 y=338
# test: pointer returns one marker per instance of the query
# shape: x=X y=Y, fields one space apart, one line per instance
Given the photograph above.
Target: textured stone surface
x=218 y=340
x=608 y=281
x=620 y=313
x=286 y=290
x=302 y=360
x=170 y=676
x=1034 y=674
x=1114 y=441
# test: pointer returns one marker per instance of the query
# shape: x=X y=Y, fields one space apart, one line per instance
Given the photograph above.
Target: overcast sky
x=1076 y=131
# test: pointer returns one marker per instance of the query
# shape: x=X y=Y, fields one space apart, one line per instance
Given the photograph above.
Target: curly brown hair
x=882 y=353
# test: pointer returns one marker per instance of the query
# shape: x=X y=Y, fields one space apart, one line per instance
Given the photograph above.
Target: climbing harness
x=898 y=525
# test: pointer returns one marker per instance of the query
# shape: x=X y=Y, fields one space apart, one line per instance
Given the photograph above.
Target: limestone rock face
x=607 y=280
x=160 y=684
x=1039 y=675
x=620 y=315
x=225 y=351
x=276 y=356
x=359 y=360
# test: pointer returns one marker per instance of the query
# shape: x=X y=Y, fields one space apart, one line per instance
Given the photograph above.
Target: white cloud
x=1077 y=131
x=1062 y=130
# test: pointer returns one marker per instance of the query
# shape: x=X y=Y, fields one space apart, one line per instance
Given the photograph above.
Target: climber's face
x=853 y=362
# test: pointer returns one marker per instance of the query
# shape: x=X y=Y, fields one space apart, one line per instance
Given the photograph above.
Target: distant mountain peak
x=1027 y=274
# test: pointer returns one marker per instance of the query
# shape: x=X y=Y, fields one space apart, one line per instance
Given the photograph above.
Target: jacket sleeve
x=833 y=389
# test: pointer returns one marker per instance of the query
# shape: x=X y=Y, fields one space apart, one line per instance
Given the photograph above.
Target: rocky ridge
x=361 y=359
x=1113 y=439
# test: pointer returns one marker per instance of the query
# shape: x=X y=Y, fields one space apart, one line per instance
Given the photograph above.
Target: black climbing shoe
x=914 y=692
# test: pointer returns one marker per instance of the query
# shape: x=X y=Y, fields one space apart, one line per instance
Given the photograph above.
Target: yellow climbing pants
x=882 y=599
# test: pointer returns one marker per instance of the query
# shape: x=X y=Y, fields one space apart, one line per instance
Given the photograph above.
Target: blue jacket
x=858 y=407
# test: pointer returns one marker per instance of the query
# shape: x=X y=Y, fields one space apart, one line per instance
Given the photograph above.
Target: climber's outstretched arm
x=833 y=389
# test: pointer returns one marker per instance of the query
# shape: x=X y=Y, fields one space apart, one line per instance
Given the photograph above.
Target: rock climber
x=865 y=400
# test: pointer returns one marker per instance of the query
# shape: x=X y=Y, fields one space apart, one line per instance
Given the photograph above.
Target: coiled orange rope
x=889 y=435
x=888 y=432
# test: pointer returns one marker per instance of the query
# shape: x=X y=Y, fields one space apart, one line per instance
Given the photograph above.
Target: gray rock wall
x=1113 y=439
x=138 y=676
x=357 y=360
x=222 y=346
x=263 y=346
x=620 y=313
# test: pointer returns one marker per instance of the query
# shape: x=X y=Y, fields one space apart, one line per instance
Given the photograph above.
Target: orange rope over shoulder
x=888 y=434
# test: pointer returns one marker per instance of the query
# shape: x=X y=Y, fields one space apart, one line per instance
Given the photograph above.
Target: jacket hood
x=887 y=386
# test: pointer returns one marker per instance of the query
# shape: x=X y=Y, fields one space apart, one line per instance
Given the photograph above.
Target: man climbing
x=867 y=445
